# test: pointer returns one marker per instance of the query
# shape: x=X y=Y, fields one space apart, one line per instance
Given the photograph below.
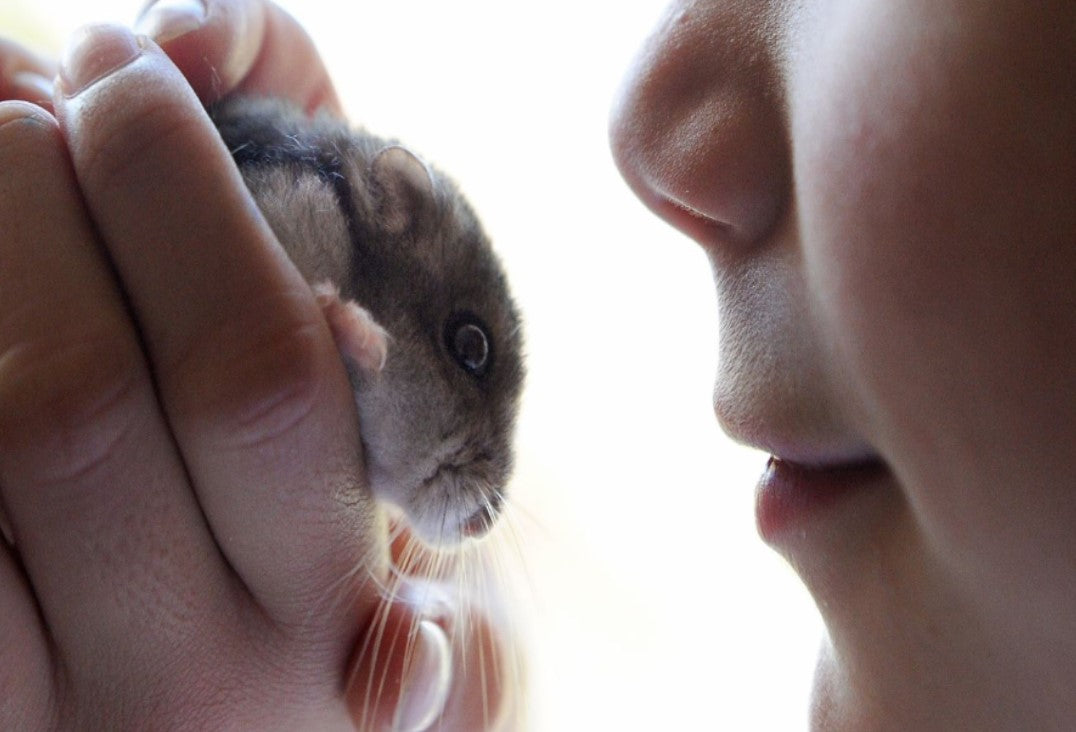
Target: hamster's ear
x=406 y=188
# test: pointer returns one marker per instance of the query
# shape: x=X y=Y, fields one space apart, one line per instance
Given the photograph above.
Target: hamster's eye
x=468 y=343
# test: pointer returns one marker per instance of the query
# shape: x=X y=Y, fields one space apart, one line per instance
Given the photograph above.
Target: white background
x=646 y=599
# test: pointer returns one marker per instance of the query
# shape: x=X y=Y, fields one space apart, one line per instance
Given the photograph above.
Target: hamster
x=415 y=296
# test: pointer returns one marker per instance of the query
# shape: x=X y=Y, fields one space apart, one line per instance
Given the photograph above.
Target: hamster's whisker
x=513 y=656
x=371 y=645
x=409 y=557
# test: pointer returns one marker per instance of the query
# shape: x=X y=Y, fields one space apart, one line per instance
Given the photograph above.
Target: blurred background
x=644 y=598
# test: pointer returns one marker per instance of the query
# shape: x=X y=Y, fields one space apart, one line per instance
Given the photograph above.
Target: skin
x=885 y=192
x=183 y=501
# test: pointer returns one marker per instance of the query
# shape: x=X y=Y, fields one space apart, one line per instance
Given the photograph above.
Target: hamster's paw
x=357 y=334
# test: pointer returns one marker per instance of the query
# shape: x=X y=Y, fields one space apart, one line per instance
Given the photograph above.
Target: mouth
x=460 y=498
x=482 y=520
x=792 y=496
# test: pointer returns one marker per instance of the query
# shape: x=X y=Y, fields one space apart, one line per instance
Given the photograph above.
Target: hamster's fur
x=396 y=237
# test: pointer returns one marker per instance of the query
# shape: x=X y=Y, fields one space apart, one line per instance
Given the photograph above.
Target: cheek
x=938 y=252
x=879 y=265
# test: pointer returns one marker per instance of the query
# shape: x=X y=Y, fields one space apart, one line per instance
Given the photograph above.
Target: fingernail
x=427 y=680
x=13 y=111
x=93 y=53
x=166 y=20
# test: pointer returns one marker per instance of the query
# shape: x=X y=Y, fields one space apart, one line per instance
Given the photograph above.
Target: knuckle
x=65 y=403
x=251 y=388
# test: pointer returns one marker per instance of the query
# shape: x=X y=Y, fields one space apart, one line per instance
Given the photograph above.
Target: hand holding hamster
x=176 y=516
x=417 y=301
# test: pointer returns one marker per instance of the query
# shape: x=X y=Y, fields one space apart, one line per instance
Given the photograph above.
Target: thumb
x=402 y=673
x=427 y=665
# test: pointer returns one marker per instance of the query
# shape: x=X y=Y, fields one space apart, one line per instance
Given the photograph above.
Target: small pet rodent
x=404 y=255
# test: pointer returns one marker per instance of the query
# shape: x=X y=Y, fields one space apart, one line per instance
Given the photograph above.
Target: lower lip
x=789 y=496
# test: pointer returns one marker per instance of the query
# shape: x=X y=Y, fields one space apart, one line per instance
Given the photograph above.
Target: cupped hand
x=191 y=544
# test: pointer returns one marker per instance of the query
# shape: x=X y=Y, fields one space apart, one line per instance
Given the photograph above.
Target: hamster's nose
x=698 y=130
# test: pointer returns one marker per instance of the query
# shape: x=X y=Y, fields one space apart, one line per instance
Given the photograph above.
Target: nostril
x=691 y=218
x=719 y=175
x=695 y=224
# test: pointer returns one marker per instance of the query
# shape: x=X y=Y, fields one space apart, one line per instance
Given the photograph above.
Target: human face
x=887 y=194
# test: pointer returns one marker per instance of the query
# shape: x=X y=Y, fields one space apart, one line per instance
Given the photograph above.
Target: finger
x=25 y=75
x=486 y=691
x=425 y=665
x=246 y=368
x=25 y=669
x=247 y=46
x=86 y=463
x=402 y=673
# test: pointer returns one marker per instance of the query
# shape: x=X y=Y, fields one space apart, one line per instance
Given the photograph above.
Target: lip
x=792 y=496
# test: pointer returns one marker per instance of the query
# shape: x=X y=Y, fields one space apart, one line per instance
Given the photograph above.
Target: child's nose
x=699 y=129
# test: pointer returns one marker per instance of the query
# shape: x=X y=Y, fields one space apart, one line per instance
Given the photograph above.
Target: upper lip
x=823 y=457
x=805 y=449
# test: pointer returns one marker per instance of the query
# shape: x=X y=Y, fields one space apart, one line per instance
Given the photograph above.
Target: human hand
x=25 y=75
x=178 y=458
x=245 y=46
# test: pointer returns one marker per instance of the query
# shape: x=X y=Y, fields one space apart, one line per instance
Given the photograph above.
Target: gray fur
x=398 y=238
